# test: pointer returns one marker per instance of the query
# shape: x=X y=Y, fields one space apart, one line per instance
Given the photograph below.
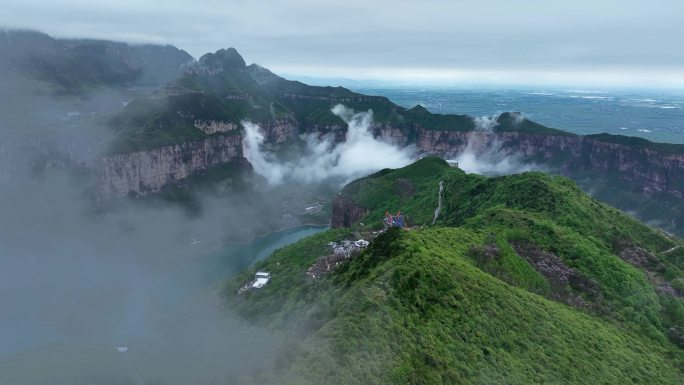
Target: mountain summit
x=222 y=60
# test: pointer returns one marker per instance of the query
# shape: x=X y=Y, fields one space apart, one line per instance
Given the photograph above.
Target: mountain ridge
x=202 y=102
x=75 y=66
x=524 y=279
x=622 y=170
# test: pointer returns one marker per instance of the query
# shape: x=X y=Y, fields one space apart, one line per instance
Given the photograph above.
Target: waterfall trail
x=439 y=202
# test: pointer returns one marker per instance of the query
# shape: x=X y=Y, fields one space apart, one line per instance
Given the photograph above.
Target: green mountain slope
x=523 y=279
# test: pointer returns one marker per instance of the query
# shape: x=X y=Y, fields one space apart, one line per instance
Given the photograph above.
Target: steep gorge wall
x=639 y=169
x=648 y=171
x=653 y=172
x=148 y=171
x=345 y=212
x=279 y=130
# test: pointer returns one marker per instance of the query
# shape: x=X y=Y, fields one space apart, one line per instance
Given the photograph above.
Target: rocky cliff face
x=213 y=126
x=394 y=135
x=338 y=132
x=345 y=212
x=646 y=171
x=652 y=172
x=148 y=171
x=649 y=172
x=279 y=130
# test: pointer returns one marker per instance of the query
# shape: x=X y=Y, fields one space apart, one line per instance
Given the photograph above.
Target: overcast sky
x=490 y=41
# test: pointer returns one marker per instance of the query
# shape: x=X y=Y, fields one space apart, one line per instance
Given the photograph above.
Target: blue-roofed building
x=394 y=220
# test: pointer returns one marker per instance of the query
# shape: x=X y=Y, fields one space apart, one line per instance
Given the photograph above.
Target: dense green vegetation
x=523 y=279
x=155 y=122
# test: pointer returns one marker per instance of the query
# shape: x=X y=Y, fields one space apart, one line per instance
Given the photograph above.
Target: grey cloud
x=494 y=34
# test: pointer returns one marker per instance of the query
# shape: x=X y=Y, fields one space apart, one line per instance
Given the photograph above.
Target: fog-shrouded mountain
x=512 y=279
x=191 y=121
x=55 y=95
x=205 y=108
x=123 y=167
x=75 y=65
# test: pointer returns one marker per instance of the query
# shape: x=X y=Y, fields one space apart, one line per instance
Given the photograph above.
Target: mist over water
x=78 y=281
x=73 y=282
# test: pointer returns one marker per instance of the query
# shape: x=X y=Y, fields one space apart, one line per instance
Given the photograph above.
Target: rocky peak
x=510 y=118
x=222 y=60
x=261 y=75
x=419 y=109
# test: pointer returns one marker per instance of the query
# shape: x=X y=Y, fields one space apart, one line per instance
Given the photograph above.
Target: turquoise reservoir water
x=215 y=267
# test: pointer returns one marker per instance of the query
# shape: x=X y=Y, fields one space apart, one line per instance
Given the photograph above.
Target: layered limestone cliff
x=148 y=171
x=648 y=171
x=279 y=130
x=213 y=126
x=345 y=212
x=652 y=172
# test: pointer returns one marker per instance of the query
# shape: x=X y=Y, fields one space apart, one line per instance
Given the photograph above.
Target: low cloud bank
x=485 y=153
x=76 y=283
x=358 y=155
